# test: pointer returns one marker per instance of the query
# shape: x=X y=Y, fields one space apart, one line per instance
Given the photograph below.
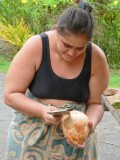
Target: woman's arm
x=19 y=77
x=98 y=83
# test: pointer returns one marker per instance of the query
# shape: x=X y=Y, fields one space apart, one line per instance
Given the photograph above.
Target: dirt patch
x=115 y=71
x=6 y=49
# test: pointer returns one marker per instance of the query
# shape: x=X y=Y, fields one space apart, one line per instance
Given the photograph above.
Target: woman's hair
x=77 y=20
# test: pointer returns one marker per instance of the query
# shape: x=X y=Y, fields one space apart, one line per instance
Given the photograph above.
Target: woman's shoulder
x=31 y=50
x=98 y=55
x=97 y=51
x=33 y=41
x=99 y=60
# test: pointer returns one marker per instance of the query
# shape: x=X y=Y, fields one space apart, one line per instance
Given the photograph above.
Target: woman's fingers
x=50 y=119
x=80 y=146
x=90 y=127
x=70 y=143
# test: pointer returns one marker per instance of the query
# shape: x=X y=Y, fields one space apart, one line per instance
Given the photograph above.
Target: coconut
x=75 y=127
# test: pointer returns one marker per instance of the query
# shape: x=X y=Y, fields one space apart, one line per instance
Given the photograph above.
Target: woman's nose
x=71 y=52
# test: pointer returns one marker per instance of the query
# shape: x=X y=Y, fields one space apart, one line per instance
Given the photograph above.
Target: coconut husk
x=114 y=98
x=110 y=92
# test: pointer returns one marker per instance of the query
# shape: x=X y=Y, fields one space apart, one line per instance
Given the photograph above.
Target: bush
x=107 y=29
x=15 y=34
x=40 y=15
x=35 y=16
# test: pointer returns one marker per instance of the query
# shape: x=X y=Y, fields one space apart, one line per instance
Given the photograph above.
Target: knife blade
x=59 y=112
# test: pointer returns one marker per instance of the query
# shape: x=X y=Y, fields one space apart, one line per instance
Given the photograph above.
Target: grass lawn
x=114 y=74
x=114 y=78
x=4 y=64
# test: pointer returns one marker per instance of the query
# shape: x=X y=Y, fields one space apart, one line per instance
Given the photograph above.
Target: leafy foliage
x=107 y=29
x=20 y=19
x=15 y=34
x=37 y=16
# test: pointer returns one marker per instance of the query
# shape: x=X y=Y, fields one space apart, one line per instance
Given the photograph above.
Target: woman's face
x=71 y=46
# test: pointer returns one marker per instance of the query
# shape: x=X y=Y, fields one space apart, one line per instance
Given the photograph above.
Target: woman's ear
x=56 y=30
x=56 y=27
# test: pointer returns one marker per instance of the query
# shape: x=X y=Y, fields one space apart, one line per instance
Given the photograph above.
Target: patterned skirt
x=30 y=138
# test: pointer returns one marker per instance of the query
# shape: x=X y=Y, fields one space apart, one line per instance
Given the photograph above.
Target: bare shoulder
x=99 y=60
x=98 y=53
x=99 y=74
x=32 y=50
x=24 y=65
x=30 y=53
x=32 y=42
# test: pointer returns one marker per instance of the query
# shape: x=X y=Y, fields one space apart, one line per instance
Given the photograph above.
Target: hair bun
x=86 y=6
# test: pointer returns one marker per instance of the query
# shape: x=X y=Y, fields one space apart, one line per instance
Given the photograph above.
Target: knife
x=59 y=112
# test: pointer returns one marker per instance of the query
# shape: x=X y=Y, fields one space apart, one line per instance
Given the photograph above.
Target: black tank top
x=46 y=84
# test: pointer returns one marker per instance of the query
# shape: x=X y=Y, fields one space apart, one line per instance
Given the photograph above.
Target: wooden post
x=112 y=109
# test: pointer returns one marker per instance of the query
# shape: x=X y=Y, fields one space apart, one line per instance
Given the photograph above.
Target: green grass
x=114 y=78
x=4 y=64
x=116 y=105
x=114 y=74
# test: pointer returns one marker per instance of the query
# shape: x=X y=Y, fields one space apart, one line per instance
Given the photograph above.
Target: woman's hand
x=81 y=146
x=50 y=119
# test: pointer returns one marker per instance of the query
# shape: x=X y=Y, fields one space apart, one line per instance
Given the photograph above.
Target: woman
x=58 y=67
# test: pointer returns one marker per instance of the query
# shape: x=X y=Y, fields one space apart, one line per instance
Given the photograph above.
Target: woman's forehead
x=80 y=40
